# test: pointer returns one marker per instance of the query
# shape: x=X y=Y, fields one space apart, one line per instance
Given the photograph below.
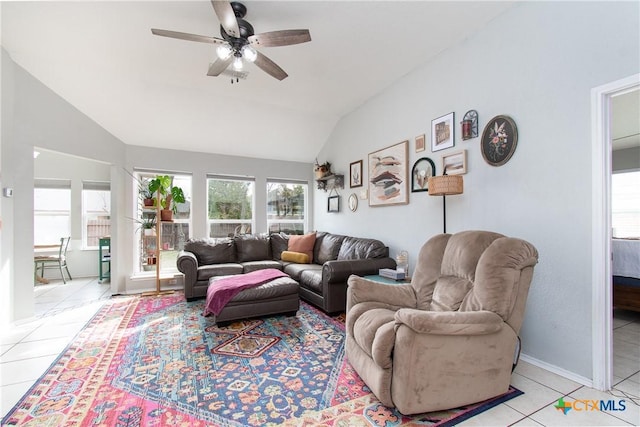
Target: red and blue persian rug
x=156 y=361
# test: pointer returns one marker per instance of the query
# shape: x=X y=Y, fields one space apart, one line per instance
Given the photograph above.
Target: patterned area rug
x=156 y=361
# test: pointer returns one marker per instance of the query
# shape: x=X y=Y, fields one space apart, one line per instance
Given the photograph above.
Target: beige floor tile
x=624 y=367
x=25 y=370
x=51 y=331
x=630 y=387
x=546 y=378
x=4 y=348
x=500 y=415
x=15 y=334
x=631 y=413
x=536 y=395
x=11 y=394
x=35 y=349
x=527 y=422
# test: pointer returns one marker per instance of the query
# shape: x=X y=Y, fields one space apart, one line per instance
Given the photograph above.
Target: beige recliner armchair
x=449 y=338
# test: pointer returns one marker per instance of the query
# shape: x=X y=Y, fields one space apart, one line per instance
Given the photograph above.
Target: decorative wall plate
x=499 y=140
x=353 y=202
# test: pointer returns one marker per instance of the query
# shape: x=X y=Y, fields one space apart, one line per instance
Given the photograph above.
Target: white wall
x=536 y=63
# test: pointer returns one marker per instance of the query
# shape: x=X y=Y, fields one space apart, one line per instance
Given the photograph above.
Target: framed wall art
x=455 y=163
x=422 y=170
x=333 y=204
x=442 y=132
x=419 y=143
x=499 y=140
x=388 y=173
x=355 y=174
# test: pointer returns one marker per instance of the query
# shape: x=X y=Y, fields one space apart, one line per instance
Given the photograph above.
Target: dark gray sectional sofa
x=323 y=282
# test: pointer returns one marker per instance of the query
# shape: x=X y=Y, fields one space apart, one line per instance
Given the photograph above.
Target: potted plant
x=170 y=195
x=146 y=195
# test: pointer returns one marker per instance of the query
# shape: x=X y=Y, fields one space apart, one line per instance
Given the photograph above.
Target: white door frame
x=602 y=338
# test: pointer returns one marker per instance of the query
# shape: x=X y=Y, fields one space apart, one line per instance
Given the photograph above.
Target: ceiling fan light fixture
x=224 y=51
x=249 y=53
x=237 y=63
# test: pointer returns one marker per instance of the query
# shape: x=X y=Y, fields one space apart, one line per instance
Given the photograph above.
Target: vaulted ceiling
x=153 y=91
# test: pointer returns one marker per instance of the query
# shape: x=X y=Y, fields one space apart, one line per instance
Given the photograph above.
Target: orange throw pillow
x=302 y=244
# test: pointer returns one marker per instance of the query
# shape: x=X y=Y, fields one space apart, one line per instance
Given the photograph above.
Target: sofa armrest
x=450 y=322
x=338 y=271
x=187 y=264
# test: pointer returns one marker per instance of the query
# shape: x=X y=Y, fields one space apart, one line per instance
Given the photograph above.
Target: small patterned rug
x=156 y=361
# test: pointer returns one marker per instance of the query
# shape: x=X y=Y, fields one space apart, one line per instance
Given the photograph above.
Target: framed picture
x=455 y=163
x=499 y=140
x=333 y=204
x=355 y=174
x=422 y=170
x=388 y=173
x=419 y=143
x=442 y=132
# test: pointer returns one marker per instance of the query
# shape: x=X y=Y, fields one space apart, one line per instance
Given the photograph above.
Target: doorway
x=602 y=339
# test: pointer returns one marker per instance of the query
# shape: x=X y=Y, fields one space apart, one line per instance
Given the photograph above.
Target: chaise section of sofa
x=323 y=281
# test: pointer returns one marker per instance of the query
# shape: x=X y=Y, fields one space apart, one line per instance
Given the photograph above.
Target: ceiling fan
x=239 y=41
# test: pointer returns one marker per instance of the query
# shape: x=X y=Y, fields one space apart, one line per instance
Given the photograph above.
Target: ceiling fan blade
x=187 y=36
x=219 y=66
x=280 y=38
x=227 y=17
x=270 y=67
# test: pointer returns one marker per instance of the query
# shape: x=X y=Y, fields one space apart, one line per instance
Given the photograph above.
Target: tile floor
x=62 y=310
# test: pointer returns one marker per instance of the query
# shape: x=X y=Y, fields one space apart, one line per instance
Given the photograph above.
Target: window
x=174 y=234
x=286 y=207
x=51 y=211
x=230 y=205
x=96 y=212
x=625 y=204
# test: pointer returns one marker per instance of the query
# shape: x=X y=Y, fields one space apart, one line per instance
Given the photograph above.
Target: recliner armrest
x=450 y=322
x=365 y=290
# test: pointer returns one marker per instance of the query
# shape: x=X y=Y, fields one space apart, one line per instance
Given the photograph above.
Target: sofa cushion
x=358 y=248
x=327 y=247
x=297 y=257
x=279 y=242
x=250 y=266
x=302 y=243
x=252 y=247
x=212 y=251
x=295 y=270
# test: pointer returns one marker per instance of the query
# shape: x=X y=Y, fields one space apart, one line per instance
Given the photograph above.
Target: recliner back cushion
x=458 y=270
x=327 y=247
x=498 y=276
x=358 y=248
x=212 y=251
x=252 y=247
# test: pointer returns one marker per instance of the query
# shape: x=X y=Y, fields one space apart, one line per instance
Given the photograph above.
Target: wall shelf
x=331 y=182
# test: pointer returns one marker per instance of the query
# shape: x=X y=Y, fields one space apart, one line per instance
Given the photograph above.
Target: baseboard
x=557 y=370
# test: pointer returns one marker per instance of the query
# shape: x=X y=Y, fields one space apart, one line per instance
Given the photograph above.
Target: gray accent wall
x=536 y=63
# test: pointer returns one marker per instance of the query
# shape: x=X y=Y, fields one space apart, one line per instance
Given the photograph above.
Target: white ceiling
x=153 y=91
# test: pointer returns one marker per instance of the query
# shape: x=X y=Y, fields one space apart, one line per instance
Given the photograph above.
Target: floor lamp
x=445 y=185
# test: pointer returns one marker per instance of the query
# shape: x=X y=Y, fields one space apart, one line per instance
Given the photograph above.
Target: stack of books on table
x=391 y=274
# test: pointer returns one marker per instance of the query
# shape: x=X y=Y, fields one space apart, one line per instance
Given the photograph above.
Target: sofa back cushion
x=279 y=242
x=212 y=251
x=252 y=247
x=358 y=248
x=327 y=247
